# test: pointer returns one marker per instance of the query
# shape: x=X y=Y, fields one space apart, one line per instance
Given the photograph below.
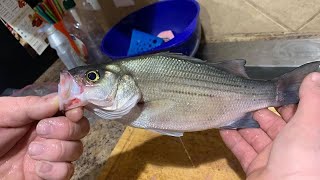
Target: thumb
x=296 y=147
x=19 y=111
x=308 y=109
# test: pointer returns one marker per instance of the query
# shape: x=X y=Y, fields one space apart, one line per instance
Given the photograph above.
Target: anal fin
x=168 y=133
x=246 y=121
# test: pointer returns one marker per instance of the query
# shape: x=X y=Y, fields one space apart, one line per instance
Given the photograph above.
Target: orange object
x=59 y=26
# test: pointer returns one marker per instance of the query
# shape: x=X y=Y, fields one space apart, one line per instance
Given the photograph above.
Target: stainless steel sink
x=267 y=72
x=266 y=59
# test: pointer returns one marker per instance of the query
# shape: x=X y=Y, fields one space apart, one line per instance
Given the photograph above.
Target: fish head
x=87 y=85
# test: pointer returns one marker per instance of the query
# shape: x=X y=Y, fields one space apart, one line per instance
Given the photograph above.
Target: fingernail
x=44 y=167
x=56 y=101
x=259 y=113
x=316 y=78
x=36 y=149
x=52 y=98
x=43 y=128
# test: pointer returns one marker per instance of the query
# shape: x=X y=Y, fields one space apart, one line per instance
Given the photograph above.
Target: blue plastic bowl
x=180 y=16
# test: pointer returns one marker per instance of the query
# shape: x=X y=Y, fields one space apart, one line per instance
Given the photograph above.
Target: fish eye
x=93 y=76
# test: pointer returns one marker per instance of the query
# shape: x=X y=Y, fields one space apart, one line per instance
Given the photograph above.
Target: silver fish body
x=184 y=96
x=172 y=94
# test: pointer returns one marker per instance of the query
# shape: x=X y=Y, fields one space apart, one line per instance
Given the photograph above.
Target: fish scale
x=214 y=95
x=190 y=78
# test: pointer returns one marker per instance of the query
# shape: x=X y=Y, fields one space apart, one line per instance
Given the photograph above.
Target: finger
x=269 y=122
x=257 y=138
x=287 y=112
x=55 y=150
x=260 y=161
x=62 y=128
x=54 y=170
x=19 y=111
x=75 y=114
x=239 y=147
x=310 y=100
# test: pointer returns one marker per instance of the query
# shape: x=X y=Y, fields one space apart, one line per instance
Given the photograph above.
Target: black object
x=17 y=67
x=33 y=3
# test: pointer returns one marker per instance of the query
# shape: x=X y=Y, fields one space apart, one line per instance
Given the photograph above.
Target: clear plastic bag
x=36 y=90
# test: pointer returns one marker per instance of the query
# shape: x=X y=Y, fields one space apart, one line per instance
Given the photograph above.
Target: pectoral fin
x=156 y=116
x=246 y=121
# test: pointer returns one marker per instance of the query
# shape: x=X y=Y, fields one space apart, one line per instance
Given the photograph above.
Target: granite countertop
x=100 y=141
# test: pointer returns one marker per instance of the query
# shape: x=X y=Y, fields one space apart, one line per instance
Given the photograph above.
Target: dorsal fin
x=180 y=56
x=235 y=67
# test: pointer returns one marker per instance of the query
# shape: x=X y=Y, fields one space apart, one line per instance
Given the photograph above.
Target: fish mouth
x=69 y=92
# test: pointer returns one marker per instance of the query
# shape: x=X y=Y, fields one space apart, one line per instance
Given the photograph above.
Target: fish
x=170 y=93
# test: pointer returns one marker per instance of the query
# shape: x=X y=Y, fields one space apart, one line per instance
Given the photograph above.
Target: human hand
x=286 y=147
x=33 y=149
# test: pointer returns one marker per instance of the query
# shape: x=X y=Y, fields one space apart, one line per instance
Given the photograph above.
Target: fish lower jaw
x=72 y=104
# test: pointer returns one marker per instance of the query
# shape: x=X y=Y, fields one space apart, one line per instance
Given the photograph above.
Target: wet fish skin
x=183 y=96
x=172 y=94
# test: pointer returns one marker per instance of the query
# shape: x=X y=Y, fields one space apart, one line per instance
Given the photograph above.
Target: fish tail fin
x=288 y=84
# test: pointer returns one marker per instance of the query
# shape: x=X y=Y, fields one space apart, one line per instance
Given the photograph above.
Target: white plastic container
x=84 y=28
x=60 y=43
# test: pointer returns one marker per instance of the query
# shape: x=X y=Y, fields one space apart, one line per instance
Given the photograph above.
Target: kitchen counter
x=100 y=141
x=144 y=155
